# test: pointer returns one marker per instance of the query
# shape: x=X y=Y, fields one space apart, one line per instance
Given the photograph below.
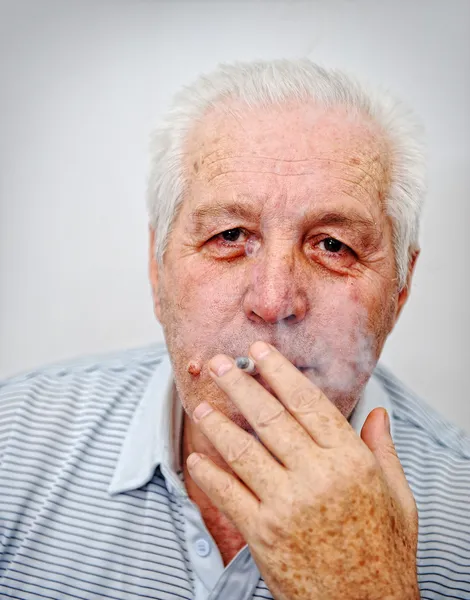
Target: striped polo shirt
x=92 y=503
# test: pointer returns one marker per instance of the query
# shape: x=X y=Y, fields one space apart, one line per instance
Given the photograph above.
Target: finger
x=242 y=452
x=376 y=435
x=228 y=495
x=302 y=398
x=275 y=426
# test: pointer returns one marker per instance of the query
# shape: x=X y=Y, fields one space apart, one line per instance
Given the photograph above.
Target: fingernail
x=220 y=365
x=259 y=350
x=201 y=411
x=193 y=459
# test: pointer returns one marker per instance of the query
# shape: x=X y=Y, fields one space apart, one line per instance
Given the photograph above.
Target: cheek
x=200 y=311
x=200 y=287
x=381 y=304
x=345 y=338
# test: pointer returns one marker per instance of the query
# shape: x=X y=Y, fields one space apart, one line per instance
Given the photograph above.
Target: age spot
x=252 y=247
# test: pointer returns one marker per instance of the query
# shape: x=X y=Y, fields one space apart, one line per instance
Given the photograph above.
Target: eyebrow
x=201 y=215
x=350 y=219
x=365 y=228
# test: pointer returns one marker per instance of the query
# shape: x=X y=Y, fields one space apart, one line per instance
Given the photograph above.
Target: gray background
x=81 y=84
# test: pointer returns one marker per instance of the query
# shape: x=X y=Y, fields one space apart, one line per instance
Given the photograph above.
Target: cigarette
x=245 y=363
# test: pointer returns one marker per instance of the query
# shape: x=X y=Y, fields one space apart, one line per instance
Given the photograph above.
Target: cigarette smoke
x=336 y=348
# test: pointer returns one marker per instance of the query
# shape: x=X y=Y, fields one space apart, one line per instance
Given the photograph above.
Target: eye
x=231 y=235
x=231 y=238
x=229 y=243
x=332 y=245
x=332 y=254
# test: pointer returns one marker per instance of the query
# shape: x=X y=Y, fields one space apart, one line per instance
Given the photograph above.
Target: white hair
x=264 y=83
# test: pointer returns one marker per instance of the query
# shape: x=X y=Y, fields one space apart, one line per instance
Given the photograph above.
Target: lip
x=299 y=364
x=302 y=366
x=309 y=370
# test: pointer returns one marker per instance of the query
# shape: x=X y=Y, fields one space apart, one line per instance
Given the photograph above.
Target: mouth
x=299 y=363
x=303 y=367
x=305 y=370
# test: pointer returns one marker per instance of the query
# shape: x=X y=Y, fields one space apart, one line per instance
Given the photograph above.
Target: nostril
x=291 y=319
x=255 y=317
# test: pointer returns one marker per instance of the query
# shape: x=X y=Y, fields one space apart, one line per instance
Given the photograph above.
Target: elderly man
x=284 y=206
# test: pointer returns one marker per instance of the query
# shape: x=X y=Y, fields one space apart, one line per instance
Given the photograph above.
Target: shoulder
x=88 y=370
x=415 y=421
x=77 y=391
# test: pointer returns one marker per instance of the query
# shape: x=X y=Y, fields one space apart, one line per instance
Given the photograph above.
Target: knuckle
x=238 y=449
x=388 y=453
x=340 y=422
x=225 y=487
x=361 y=467
x=269 y=416
x=277 y=366
x=271 y=530
x=304 y=399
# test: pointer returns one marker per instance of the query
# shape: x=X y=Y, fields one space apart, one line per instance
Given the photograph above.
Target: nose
x=275 y=293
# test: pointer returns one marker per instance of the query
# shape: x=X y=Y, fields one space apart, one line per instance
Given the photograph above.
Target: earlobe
x=153 y=274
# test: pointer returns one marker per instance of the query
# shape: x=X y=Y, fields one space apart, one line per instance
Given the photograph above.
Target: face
x=282 y=236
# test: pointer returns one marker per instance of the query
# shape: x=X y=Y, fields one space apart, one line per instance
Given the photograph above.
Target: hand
x=333 y=517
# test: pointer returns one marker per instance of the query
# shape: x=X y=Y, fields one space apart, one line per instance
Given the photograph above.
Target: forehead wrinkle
x=330 y=155
x=328 y=159
x=275 y=125
x=227 y=156
x=355 y=184
x=353 y=173
x=258 y=172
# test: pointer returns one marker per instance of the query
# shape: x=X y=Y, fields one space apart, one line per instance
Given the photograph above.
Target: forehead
x=290 y=131
x=288 y=150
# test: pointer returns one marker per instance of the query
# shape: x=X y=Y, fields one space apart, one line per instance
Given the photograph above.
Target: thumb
x=376 y=435
x=376 y=430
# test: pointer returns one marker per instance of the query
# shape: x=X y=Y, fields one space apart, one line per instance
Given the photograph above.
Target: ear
x=153 y=274
x=405 y=292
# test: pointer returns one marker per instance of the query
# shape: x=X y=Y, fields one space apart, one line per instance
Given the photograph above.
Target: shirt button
x=203 y=547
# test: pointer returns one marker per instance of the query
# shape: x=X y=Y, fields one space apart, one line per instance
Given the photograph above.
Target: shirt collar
x=374 y=396
x=154 y=435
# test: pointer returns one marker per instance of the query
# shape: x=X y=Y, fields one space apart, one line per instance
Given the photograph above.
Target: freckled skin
x=281 y=162
x=338 y=558
x=334 y=517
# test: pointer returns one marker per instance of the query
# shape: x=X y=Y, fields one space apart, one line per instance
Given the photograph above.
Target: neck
x=225 y=534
